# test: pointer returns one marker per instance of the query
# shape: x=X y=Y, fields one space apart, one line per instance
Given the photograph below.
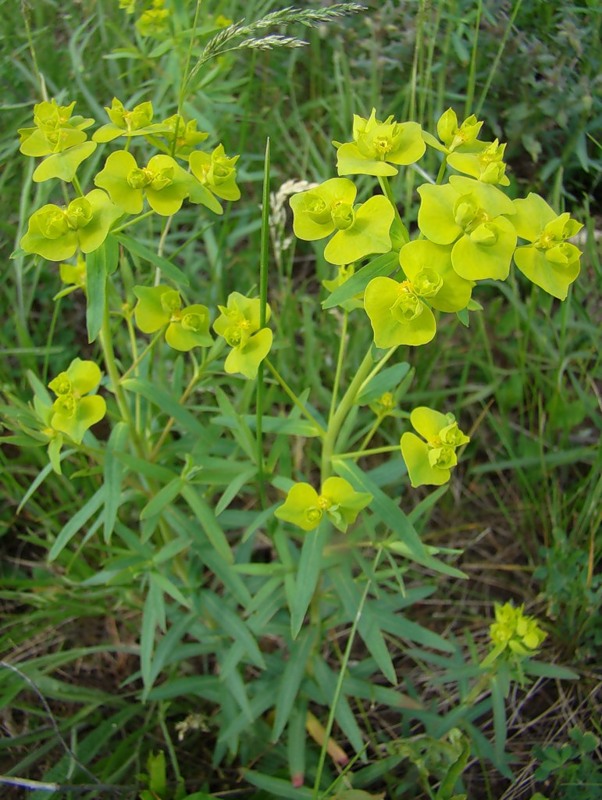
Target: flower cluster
x=431 y=458
x=513 y=633
x=337 y=501
x=239 y=323
x=469 y=231
x=161 y=307
x=153 y=19
x=128 y=184
x=125 y=184
x=75 y=409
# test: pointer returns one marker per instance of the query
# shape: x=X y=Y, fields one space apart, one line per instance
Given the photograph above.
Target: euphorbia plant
x=236 y=540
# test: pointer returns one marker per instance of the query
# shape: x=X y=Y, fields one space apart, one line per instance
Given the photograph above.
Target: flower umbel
x=239 y=325
x=430 y=460
x=377 y=146
x=359 y=230
x=513 y=633
x=55 y=232
x=549 y=260
x=160 y=306
x=75 y=410
x=338 y=500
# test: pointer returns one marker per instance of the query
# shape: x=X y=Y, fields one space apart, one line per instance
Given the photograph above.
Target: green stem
x=106 y=343
x=441 y=173
x=363 y=376
x=77 y=186
x=388 y=193
x=334 y=425
x=161 y=247
x=141 y=355
x=133 y=221
x=339 y=367
x=187 y=76
x=294 y=397
x=355 y=454
x=371 y=433
x=196 y=376
x=263 y=312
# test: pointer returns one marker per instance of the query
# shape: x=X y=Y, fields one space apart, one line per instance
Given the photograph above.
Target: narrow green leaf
x=310 y=566
x=383 y=265
x=153 y=613
x=77 y=521
x=543 y=670
x=233 y=489
x=139 y=465
x=140 y=250
x=388 y=511
x=227 y=574
x=166 y=402
x=96 y=286
x=39 y=480
x=368 y=626
x=239 y=428
x=277 y=787
x=113 y=476
x=290 y=680
x=404 y=628
x=169 y=588
x=386 y=381
x=326 y=680
x=206 y=686
x=163 y=498
x=424 y=506
x=499 y=717
x=233 y=626
x=283 y=425
x=235 y=686
x=210 y=525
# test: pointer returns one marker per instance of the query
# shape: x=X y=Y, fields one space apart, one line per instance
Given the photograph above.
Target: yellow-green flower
x=64 y=165
x=216 y=172
x=384 y=405
x=163 y=182
x=514 y=633
x=429 y=268
x=338 y=500
x=344 y=272
x=55 y=130
x=56 y=232
x=430 y=460
x=397 y=313
x=161 y=307
x=239 y=325
x=153 y=21
x=182 y=136
x=359 y=230
x=549 y=261
x=73 y=276
x=377 y=146
x=455 y=136
x=75 y=410
x=487 y=165
x=471 y=215
x=136 y=122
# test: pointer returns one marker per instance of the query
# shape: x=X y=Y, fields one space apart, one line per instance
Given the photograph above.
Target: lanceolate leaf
x=383 y=265
x=308 y=574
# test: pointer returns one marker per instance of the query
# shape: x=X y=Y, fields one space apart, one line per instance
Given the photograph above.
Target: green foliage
x=570 y=768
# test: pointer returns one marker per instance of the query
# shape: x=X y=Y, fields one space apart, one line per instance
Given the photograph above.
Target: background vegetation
x=526 y=376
